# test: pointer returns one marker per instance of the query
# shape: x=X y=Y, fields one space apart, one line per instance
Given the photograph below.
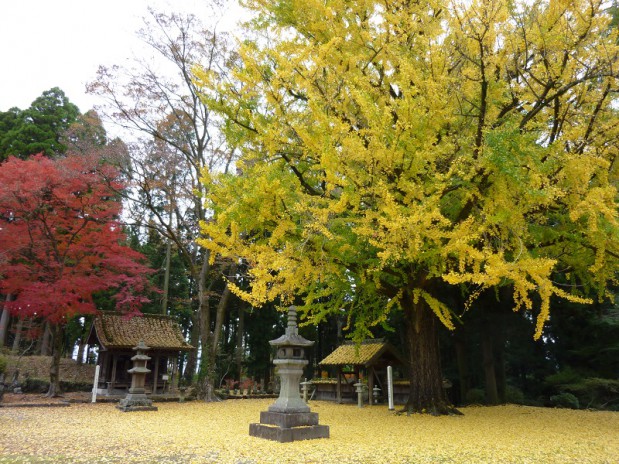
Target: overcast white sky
x=61 y=43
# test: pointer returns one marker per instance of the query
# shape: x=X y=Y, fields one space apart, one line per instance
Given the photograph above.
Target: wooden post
x=338 y=387
x=175 y=374
x=113 y=373
x=102 y=361
x=155 y=375
x=370 y=385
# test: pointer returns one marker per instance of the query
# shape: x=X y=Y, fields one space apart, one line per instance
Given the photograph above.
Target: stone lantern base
x=136 y=402
x=286 y=427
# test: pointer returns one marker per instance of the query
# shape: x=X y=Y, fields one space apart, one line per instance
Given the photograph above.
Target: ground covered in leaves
x=195 y=432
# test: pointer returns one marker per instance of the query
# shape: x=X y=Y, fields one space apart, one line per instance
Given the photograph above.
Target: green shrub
x=591 y=392
x=514 y=395
x=564 y=400
x=563 y=377
x=32 y=385
x=475 y=396
x=3 y=364
x=75 y=386
x=595 y=392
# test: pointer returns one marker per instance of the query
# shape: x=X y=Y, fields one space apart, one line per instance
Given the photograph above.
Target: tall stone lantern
x=136 y=399
x=289 y=418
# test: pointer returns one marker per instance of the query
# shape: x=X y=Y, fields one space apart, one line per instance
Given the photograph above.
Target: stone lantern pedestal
x=136 y=399
x=289 y=418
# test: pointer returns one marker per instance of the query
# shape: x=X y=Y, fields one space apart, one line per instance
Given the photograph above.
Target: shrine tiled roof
x=367 y=353
x=116 y=331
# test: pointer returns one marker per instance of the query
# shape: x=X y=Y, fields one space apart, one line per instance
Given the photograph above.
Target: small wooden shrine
x=116 y=335
x=352 y=363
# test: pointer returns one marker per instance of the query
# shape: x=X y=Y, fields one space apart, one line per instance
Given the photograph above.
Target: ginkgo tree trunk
x=390 y=150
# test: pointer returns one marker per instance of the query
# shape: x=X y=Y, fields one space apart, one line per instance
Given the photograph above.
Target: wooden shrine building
x=353 y=362
x=116 y=335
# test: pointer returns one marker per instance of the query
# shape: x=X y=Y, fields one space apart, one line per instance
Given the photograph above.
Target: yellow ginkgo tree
x=391 y=149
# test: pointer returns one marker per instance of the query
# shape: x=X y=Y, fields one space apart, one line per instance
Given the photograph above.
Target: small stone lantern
x=136 y=399
x=305 y=389
x=289 y=418
x=376 y=394
x=359 y=389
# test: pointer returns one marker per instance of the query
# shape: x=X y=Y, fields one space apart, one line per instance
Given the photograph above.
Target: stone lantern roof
x=291 y=337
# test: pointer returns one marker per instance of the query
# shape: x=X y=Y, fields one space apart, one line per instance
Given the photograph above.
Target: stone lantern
x=359 y=389
x=376 y=394
x=289 y=418
x=136 y=399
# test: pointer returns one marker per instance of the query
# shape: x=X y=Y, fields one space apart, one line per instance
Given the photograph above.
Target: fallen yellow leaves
x=218 y=433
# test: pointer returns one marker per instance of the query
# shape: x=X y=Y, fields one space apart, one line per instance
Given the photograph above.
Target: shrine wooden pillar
x=103 y=362
x=338 y=387
x=113 y=372
x=155 y=374
x=174 y=374
x=370 y=385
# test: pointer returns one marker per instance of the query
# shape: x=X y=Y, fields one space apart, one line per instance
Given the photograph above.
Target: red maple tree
x=61 y=242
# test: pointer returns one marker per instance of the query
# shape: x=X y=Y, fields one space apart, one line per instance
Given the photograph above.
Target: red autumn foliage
x=60 y=239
